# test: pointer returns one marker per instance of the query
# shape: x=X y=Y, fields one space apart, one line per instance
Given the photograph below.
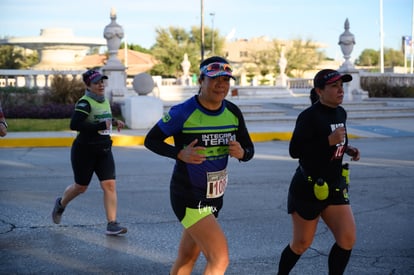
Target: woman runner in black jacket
x=319 y=188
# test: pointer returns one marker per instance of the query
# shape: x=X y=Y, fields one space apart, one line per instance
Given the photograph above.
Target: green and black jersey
x=213 y=129
x=89 y=119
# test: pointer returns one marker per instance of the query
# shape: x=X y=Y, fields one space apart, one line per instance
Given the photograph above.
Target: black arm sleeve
x=301 y=137
x=246 y=143
x=155 y=141
x=242 y=135
x=78 y=121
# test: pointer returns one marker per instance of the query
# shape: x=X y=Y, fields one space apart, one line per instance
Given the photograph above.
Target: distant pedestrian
x=207 y=130
x=3 y=123
x=319 y=187
x=92 y=150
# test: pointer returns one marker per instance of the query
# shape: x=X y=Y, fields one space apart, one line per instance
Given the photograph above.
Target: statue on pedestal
x=347 y=42
x=116 y=88
x=185 y=65
x=282 y=79
x=352 y=89
x=113 y=34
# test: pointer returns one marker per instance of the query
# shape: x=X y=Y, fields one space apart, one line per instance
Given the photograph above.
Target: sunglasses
x=217 y=66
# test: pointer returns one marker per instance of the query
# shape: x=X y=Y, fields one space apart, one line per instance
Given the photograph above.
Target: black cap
x=92 y=76
x=328 y=76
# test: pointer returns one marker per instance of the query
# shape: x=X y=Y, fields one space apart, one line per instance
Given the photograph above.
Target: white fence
x=42 y=79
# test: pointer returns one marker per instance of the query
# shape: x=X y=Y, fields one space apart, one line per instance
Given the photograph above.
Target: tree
x=208 y=41
x=135 y=47
x=301 y=56
x=170 y=47
x=368 y=57
x=173 y=42
x=393 y=58
x=265 y=61
x=12 y=58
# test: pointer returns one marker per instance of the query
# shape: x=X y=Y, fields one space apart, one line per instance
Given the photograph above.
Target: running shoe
x=114 y=228
x=57 y=211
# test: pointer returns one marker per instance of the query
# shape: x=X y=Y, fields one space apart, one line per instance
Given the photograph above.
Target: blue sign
x=407 y=41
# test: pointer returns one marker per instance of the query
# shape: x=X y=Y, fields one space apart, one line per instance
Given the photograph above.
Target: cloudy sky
x=318 y=20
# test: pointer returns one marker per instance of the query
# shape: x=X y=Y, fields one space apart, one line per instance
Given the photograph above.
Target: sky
x=320 y=21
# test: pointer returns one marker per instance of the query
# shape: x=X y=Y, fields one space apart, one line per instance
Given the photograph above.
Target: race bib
x=216 y=184
x=106 y=131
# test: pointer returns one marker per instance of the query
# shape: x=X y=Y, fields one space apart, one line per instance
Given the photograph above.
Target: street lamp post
x=202 y=30
x=381 y=38
x=212 y=14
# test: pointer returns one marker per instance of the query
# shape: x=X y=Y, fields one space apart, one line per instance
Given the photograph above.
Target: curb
x=125 y=140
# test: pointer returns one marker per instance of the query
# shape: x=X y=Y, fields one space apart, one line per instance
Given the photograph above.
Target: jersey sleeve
x=169 y=125
x=242 y=134
x=302 y=136
x=78 y=120
x=155 y=141
x=172 y=122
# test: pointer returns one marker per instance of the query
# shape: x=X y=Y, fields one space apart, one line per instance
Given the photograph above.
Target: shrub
x=381 y=87
x=64 y=90
x=43 y=111
x=22 y=102
x=13 y=96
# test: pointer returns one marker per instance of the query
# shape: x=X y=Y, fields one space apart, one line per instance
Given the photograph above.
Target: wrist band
x=4 y=123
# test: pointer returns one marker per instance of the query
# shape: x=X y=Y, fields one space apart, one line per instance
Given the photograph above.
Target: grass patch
x=34 y=125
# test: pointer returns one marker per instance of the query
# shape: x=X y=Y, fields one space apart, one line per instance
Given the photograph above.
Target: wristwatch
x=4 y=123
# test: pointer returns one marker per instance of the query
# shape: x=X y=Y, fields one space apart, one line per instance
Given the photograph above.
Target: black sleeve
x=245 y=141
x=242 y=135
x=155 y=141
x=78 y=121
x=308 y=140
x=301 y=136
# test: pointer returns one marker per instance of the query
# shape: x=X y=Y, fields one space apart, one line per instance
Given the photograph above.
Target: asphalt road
x=254 y=216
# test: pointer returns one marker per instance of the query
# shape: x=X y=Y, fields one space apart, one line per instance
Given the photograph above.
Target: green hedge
x=380 y=87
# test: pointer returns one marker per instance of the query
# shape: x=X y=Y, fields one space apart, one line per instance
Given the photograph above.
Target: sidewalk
x=254 y=217
x=124 y=138
x=366 y=119
x=370 y=128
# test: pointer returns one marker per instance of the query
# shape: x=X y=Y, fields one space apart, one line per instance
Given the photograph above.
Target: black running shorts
x=190 y=211
x=87 y=159
x=302 y=200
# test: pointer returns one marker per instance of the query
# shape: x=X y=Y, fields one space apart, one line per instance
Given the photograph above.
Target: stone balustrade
x=42 y=80
x=33 y=78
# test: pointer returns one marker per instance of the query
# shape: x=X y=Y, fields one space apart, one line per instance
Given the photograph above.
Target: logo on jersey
x=166 y=118
x=217 y=139
x=340 y=148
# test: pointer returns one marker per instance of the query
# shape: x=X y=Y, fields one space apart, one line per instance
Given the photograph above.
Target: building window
x=243 y=54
